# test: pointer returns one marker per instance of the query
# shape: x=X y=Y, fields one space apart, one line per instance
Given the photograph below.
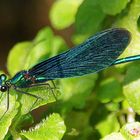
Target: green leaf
x=79 y=126
x=47 y=45
x=114 y=136
x=58 y=46
x=78 y=39
x=52 y=128
x=63 y=12
x=131 y=86
x=43 y=34
x=108 y=125
x=129 y=21
x=26 y=54
x=110 y=89
x=29 y=103
x=125 y=105
x=17 y=57
x=25 y=121
x=40 y=50
x=113 y=7
x=112 y=106
x=131 y=131
x=89 y=17
x=73 y=94
x=6 y=120
x=42 y=47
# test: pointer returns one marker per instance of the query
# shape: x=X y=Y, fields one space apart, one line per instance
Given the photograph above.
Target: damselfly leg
x=35 y=96
x=48 y=85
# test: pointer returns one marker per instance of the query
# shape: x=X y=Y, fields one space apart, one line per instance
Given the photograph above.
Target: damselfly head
x=3 y=77
x=3 y=87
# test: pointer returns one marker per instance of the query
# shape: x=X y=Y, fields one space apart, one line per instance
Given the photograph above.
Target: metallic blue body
x=127 y=59
x=19 y=80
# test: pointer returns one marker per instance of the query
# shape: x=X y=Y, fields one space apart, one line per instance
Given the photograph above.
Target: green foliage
x=14 y=54
x=108 y=125
x=63 y=12
x=85 y=23
x=113 y=7
x=129 y=19
x=77 y=98
x=95 y=106
x=114 y=136
x=51 y=128
x=104 y=90
x=131 y=86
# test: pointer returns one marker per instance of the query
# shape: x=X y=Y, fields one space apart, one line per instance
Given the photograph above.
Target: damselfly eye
x=3 y=88
x=3 y=77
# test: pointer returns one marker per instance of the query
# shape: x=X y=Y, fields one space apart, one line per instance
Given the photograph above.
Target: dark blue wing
x=95 y=54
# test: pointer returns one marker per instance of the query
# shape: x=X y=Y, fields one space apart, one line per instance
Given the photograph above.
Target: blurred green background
x=105 y=105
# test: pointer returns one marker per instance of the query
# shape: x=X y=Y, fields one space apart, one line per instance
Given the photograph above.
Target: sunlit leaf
x=6 y=119
x=108 y=125
x=17 y=57
x=113 y=7
x=106 y=95
x=63 y=12
x=129 y=21
x=52 y=128
x=89 y=17
x=114 y=136
x=132 y=87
